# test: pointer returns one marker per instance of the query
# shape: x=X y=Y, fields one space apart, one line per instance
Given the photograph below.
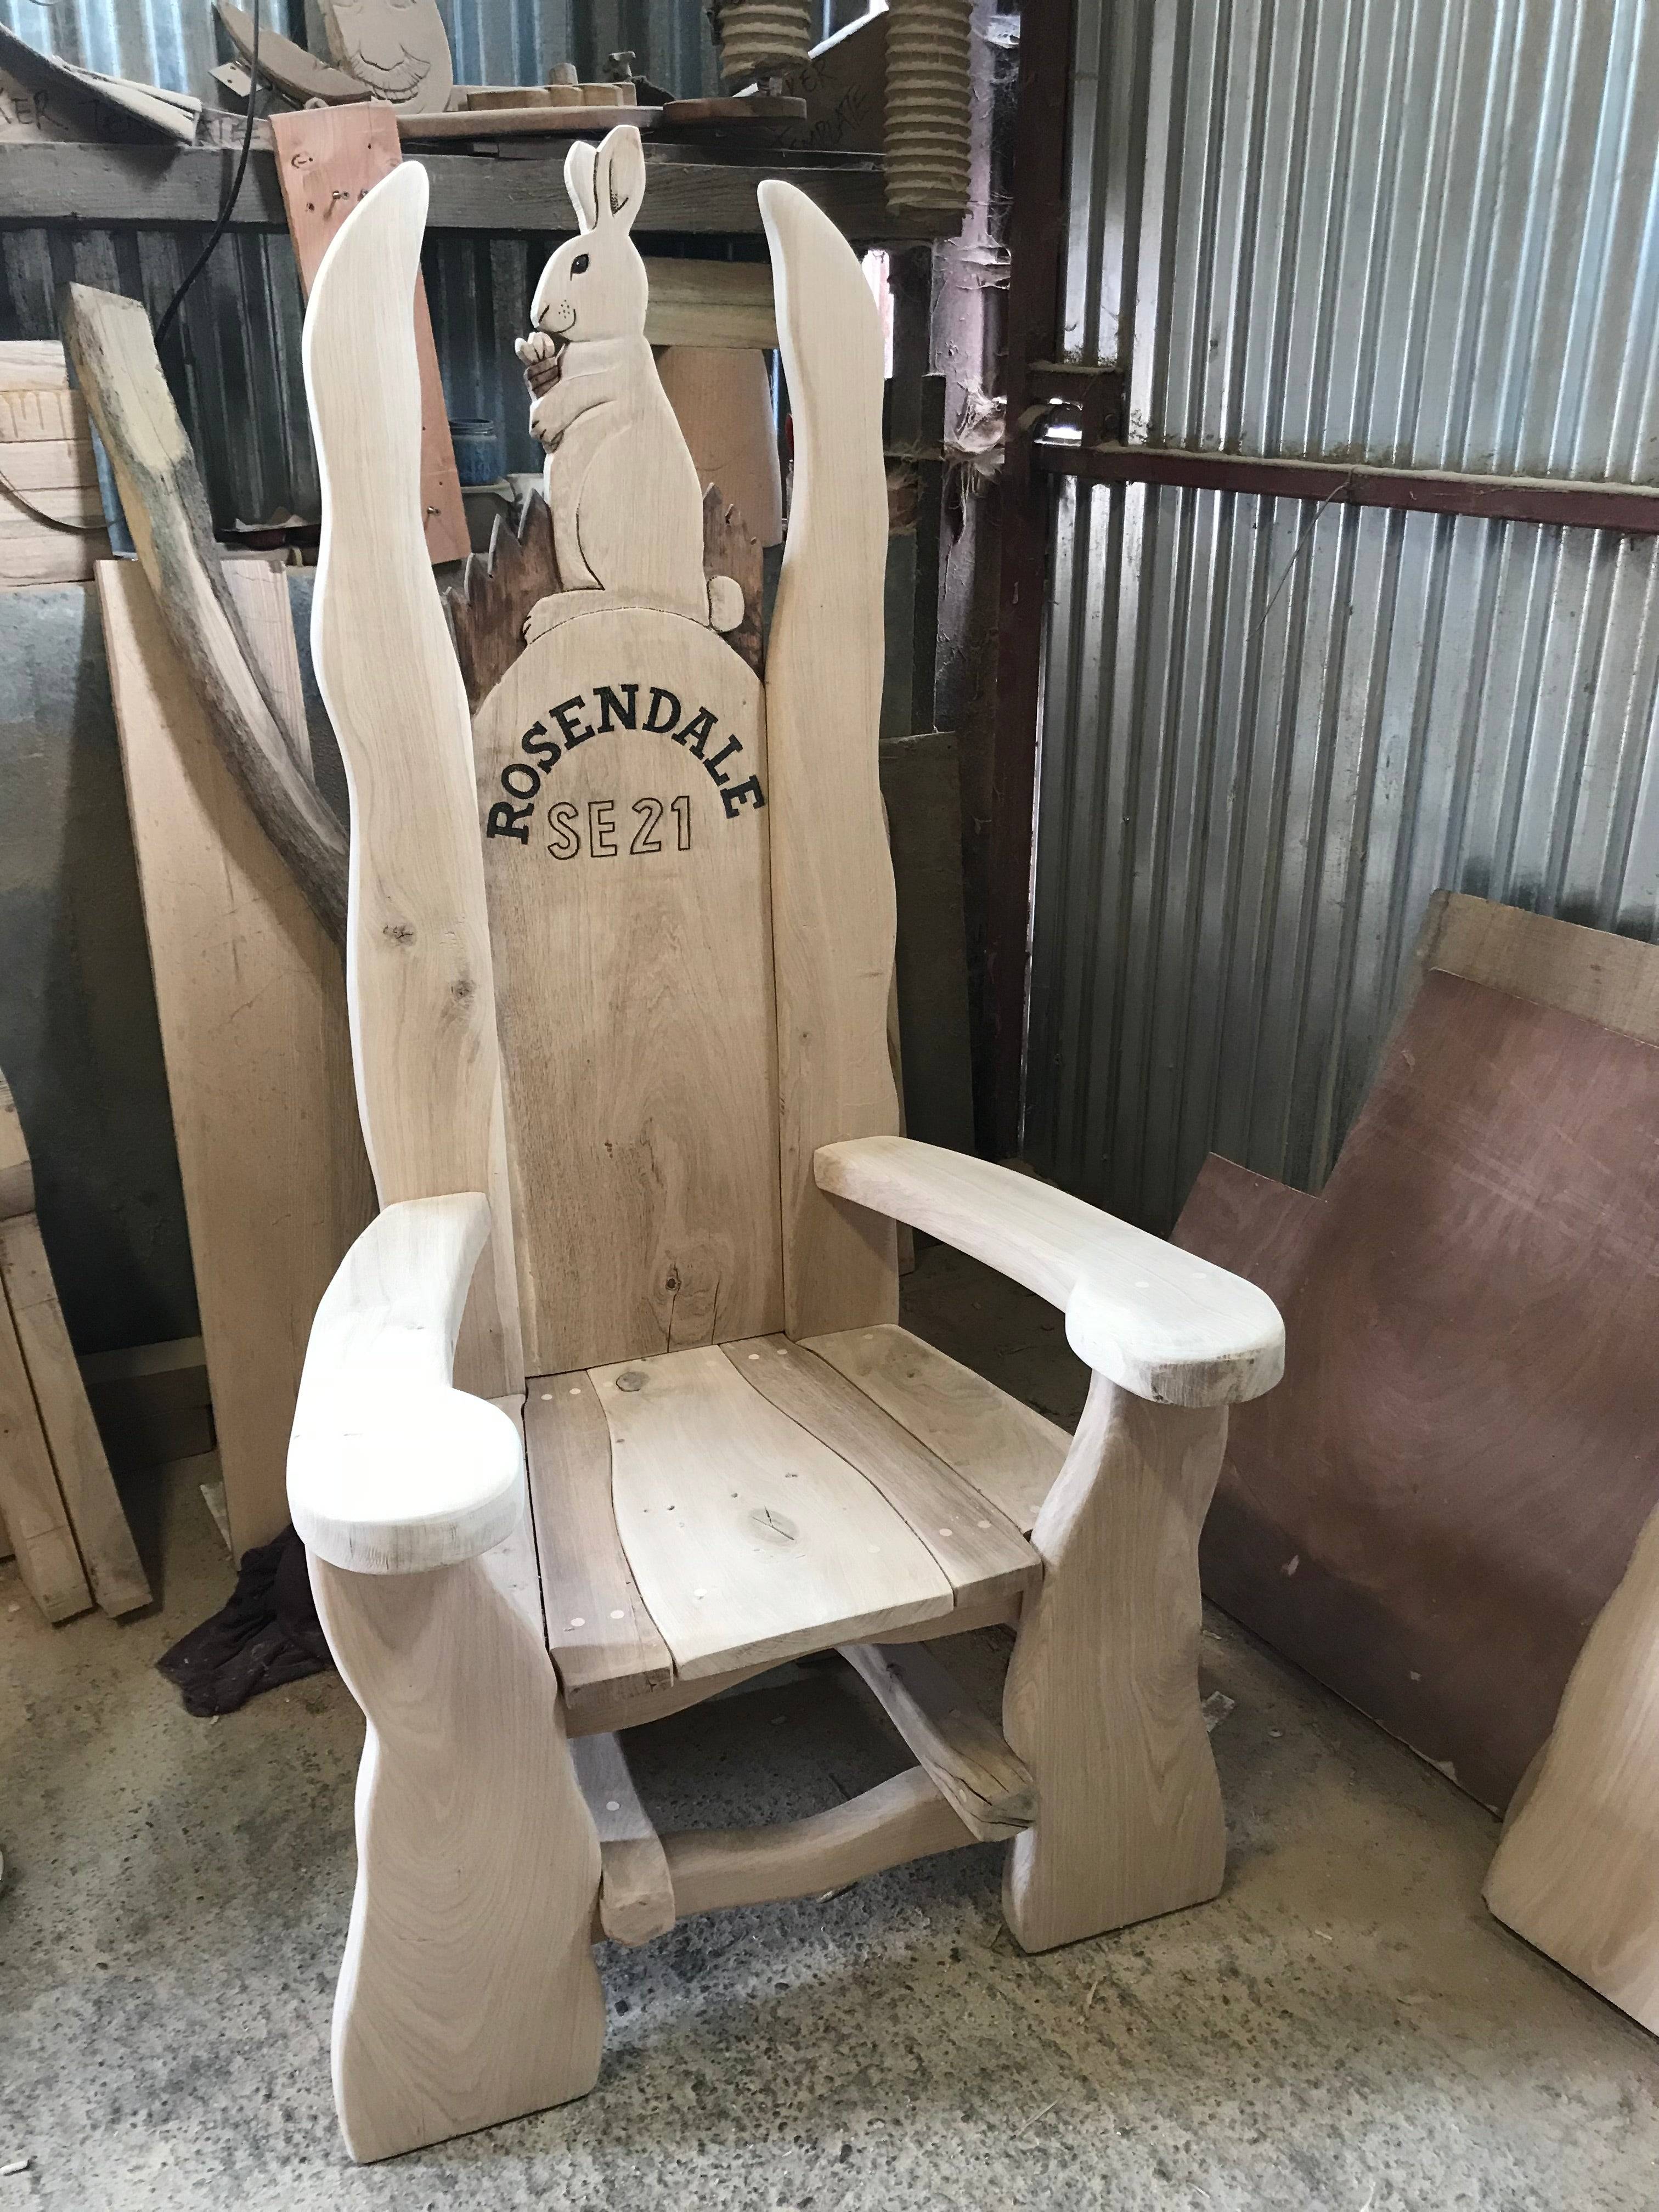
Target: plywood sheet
x=1429 y=1510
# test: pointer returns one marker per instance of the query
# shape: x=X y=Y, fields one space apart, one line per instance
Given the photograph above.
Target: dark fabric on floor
x=267 y=1633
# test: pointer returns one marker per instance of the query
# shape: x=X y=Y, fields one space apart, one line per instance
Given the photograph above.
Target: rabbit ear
x=619 y=176
x=579 y=182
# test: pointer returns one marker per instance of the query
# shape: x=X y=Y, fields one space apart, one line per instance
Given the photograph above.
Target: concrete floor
x=1345 y=2027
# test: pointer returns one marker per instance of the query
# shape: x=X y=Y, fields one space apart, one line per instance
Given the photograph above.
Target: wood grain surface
x=749 y=1537
x=165 y=503
x=420 y=983
x=36 y=1521
x=251 y=1001
x=327 y=158
x=626 y=874
x=467 y=1993
x=1434 y=1505
x=1100 y=1700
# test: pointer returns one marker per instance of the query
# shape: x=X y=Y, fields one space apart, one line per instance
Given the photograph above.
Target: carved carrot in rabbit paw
x=620 y=484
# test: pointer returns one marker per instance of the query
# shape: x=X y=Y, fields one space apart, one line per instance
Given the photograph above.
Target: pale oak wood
x=391 y=1470
x=251 y=1003
x=1100 y=1700
x=36 y=1521
x=512 y=1564
x=832 y=880
x=722 y=401
x=1009 y=1452
x=42 y=364
x=636 y=1897
x=600 y=1707
x=606 y=1645
x=467 y=1993
x=749 y=1539
x=420 y=982
x=165 y=503
x=397 y=50
x=327 y=160
x=724 y=304
x=632 y=866
x=979 y=1551
x=968 y=1760
x=84 y=1482
x=1574 y=1873
x=625 y=500
x=1163 y=1323
x=49 y=464
x=36 y=415
x=715 y=1868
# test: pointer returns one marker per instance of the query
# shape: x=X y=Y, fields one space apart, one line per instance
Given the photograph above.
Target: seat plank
x=1008 y=1451
x=749 y=1539
x=599 y=1627
x=976 y=1546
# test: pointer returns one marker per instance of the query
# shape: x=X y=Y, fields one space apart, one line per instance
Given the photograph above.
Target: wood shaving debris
x=22 y=2165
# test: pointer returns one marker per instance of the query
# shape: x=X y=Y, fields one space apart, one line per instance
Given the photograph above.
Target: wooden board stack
x=62 y=1514
x=46 y=456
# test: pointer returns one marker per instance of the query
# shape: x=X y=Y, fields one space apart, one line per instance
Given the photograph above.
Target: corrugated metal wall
x=1420 y=231
x=238 y=364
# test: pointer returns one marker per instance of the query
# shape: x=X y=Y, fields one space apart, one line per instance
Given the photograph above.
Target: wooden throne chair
x=609 y=1407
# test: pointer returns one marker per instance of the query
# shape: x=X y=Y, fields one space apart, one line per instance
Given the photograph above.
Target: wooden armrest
x=389 y=1468
x=1162 y=1323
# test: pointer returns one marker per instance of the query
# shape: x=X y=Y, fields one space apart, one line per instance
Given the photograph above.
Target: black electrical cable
x=219 y=228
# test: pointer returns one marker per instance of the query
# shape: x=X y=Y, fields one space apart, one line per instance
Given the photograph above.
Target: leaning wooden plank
x=898 y=1821
x=599 y=1627
x=968 y=1759
x=832 y=880
x=1574 y=1872
x=254 y=1028
x=84 y=1481
x=749 y=1539
x=422 y=979
x=975 y=1545
x=111 y=105
x=35 y=1519
x=722 y=401
x=636 y=1898
x=162 y=493
x=327 y=158
x=1007 y=1451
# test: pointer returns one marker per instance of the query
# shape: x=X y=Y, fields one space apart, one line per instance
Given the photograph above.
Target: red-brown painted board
x=327 y=158
x=1432 y=1507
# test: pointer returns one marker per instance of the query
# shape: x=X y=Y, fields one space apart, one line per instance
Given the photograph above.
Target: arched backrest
x=671 y=884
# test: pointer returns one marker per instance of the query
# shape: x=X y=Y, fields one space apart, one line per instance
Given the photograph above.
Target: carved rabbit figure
x=622 y=486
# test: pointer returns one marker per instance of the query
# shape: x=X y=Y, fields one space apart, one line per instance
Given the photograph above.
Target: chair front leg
x=468 y=1992
x=1101 y=1696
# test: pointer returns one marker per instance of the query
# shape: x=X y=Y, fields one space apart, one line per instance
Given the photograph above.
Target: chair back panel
x=623 y=796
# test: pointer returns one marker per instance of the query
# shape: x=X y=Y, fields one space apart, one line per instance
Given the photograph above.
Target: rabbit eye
x=578 y=264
